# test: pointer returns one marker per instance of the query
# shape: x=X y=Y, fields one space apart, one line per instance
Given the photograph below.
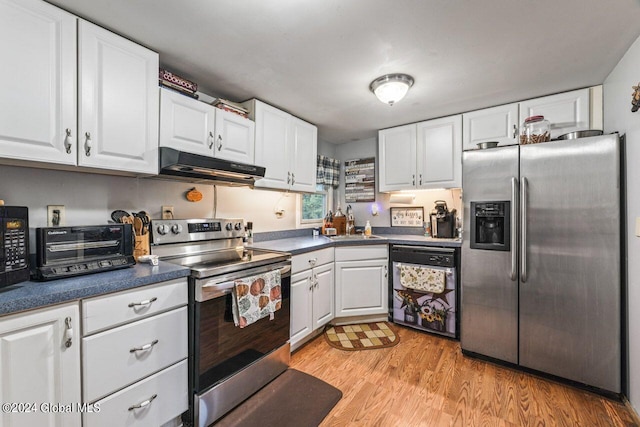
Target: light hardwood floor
x=426 y=381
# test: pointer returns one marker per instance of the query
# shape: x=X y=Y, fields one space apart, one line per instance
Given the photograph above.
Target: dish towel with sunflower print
x=422 y=278
x=256 y=297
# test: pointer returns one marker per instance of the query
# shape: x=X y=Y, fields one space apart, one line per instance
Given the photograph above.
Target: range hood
x=195 y=167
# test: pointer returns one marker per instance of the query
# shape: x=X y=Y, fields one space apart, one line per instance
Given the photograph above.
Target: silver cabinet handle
x=288 y=177
x=68 y=332
x=420 y=182
x=219 y=142
x=87 y=144
x=413 y=178
x=523 y=229
x=315 y=280
x=144 y=347
x=386 y=271
x=211 y=140
x=68 y=140
x=311 y=283
x=143 y=404
x=313 y=261
x=293 y=178
x=514 y=227
x=515 y=131
x=145 y=302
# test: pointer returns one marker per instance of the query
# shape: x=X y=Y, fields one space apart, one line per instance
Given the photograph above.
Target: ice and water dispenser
x=490 y=226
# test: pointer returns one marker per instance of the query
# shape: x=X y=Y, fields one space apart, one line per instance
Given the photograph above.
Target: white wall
x=618 y=117
x=362 y=211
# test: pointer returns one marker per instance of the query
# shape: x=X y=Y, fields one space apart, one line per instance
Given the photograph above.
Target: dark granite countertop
x=31 y=295
x=299 y=245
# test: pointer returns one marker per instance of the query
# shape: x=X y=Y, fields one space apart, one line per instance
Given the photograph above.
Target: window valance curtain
x=328 y=171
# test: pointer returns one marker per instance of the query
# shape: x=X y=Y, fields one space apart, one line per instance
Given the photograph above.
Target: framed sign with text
x=360 y=180
x=407 y=217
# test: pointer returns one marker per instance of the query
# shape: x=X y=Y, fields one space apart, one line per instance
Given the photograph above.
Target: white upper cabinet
x=567 y=112
x=186 y=124
x=439 y=153
x=303 y=163
x=235 y=137
x=423 y=155
x=286 y=146
x=118 y=123
x=491 y=124
x=397 y=158
x=86 y=99
x=38 y=44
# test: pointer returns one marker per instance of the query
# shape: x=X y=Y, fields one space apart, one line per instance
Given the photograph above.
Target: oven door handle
x=214 y=290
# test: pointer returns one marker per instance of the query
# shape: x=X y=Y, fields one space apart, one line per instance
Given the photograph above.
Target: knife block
x=141 y=246
x=340 y=224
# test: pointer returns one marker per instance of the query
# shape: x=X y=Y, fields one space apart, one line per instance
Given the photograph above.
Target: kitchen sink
x=351 y=237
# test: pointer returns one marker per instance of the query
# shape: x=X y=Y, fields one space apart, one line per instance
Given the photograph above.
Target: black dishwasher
x=423 y=288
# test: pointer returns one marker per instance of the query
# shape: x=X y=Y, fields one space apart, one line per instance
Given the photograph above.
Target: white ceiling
x=316 y=58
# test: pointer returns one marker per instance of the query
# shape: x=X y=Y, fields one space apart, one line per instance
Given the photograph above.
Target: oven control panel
x=190 y=230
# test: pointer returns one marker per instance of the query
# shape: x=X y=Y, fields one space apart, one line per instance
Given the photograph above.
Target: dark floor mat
x=293 y=399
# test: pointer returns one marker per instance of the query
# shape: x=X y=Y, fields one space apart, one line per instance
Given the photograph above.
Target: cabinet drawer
x=171 y=391
x=109 y=364
x=311 y=259
x=355 y=253
x=104 y=312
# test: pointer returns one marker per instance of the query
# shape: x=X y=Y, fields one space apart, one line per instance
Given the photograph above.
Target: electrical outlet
x=56 y=216
x=167 y=212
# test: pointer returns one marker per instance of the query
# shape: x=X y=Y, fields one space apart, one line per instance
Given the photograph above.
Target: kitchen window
x=313 y=207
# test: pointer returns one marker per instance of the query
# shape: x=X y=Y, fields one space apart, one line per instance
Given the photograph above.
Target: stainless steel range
x=228 y=361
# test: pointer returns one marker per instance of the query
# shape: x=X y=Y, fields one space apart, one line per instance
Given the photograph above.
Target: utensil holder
x=141 y=246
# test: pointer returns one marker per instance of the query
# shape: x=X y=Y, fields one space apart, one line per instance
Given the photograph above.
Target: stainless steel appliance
x=14 y=245
x=227 y=363
x=73 y=251
x=423 y=307
x=550 y=297
x=443 y=221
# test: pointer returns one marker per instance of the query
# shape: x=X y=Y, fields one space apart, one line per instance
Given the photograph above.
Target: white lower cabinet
x=134 y=368
x=312 y=294
x=361 y=280
x=38 y=372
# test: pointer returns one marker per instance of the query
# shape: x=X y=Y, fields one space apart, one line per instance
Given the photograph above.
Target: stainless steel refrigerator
x=541 y=258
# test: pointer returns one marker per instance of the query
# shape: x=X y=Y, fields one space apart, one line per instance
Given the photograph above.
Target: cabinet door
x=361 y=287
x=118 y=95
x=38 y=74
x=491 y=124
x=272 y=147
x=235 y=137
x=323 y=295
x=301 y=306
x=37 y=367
x=305 y=151
x=186 y=124
x=567 y=111
x=397 y=156
x=440 y=153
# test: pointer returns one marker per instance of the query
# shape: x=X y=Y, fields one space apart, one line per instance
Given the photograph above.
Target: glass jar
x=534 y=130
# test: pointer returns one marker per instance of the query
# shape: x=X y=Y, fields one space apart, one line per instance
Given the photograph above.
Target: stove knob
x=238 y=226
x=176 y=228
x=229 y=227
x=163 y=229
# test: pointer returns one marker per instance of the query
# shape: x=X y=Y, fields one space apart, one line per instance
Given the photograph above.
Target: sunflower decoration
x=434 y=310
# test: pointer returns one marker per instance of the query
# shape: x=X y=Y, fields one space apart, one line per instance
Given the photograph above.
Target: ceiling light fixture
x=391 y=88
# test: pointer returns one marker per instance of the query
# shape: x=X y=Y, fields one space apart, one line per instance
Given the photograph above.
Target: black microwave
x=73 y=251
x=14 y=245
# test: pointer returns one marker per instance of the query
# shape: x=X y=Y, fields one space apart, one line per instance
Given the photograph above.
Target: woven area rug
x=363 y=336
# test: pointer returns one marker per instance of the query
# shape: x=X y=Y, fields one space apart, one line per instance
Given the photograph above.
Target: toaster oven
x=14 y=245
x=73 y=251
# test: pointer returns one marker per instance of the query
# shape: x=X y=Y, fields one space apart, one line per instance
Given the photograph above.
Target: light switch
x=638 y=226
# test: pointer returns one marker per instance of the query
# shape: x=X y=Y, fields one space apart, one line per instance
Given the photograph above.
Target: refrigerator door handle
x=514 y=236
x=523 y=229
